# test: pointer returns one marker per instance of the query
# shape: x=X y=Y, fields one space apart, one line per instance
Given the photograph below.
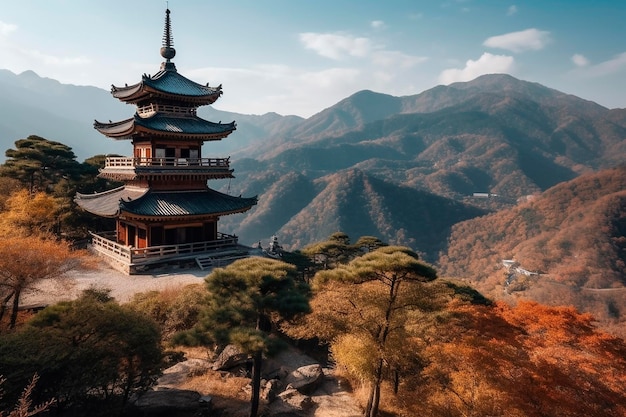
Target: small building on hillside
x=165 y=211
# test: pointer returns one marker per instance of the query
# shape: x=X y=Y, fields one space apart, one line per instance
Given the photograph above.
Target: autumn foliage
x=572 y=236
x=529 y=360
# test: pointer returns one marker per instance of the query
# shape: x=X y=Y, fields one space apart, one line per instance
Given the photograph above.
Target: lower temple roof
x=163 y=203
x=107 y=204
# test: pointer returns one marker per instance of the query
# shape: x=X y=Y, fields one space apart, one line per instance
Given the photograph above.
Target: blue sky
x=300 y=57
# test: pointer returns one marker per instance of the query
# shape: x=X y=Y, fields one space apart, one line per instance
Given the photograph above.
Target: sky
x=298 y=57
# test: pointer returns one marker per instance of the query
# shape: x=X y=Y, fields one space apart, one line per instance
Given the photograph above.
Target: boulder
x=291 y=403
x=270 y=389
x=175 y=375
x=170 y=403
x=306 y=378
x=230 y=357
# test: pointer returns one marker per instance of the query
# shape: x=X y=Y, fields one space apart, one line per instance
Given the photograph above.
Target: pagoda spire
x=167 y=50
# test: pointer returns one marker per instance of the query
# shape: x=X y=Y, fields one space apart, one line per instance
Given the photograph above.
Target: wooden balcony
x=128 y=169
x=122 y=163
x=130 y=259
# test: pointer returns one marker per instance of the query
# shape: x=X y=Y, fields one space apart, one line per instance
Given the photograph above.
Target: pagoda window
x=194 y=234
x=156 y=235
x=143 y=155
x=194 y=156
x=131 y=235
x=170 y=155
x=210 y=230
x=170 y=236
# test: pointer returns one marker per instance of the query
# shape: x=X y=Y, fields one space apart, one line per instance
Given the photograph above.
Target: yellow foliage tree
x=362 y=307
x=28 y=215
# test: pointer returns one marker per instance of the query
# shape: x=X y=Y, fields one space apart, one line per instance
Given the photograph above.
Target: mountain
x=32 y=105
x=353 y=202
x=487 y=144
x=572 y=238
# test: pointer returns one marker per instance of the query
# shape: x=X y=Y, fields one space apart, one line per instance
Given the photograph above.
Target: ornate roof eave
x=167 y=84
x=141 y=91
x=106 y=204
x=128 y=215
x=137 y=126
x=186 y=204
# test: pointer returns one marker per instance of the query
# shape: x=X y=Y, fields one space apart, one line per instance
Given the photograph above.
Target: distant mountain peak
x=28 y=74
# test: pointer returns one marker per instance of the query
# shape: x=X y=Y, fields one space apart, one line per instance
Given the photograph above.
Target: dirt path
x=122 y=286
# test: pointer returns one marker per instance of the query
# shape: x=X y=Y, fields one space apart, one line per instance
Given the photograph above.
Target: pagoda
x=165 y=211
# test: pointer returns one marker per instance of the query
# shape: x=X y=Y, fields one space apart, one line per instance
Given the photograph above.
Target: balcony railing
x=105 y=244
x=119 y=162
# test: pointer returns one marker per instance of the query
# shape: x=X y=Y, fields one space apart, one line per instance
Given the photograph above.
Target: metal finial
x=167 y=51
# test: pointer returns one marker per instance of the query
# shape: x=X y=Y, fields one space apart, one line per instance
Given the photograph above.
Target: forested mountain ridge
x=571 y=239
x=495 y=135
x=353 y=202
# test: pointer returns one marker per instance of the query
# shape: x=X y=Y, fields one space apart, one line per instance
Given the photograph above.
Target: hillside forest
x=407 y=335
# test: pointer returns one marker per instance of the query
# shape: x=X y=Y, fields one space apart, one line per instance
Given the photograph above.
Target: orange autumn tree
x=27 y=261
x=529 y=360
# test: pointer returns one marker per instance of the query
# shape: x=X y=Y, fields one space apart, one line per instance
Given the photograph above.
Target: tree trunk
x=257 y=361
x=14 y=309
x=396 y=381
x=3 y=306
x=373 y=400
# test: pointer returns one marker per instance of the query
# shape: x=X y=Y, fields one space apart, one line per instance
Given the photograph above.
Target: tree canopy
x=27 y=261
x=246 y=300
x=89 y=349
x=363 y=309
x=38 y=162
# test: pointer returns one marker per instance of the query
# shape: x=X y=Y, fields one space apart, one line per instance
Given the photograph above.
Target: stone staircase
x=220 y=259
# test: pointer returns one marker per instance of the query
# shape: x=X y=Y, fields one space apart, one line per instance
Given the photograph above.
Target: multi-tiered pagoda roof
x=165 y=208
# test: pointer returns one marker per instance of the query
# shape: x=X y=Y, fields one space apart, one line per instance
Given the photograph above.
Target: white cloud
x=377 y=24
x=486 y=64
x=6 y=28
x=529 y=39
x=511 y=10
x=580 y=60
x=611 y=66
x=336 y=46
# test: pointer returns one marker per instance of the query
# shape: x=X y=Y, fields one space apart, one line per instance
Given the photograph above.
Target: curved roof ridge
x=187 y=203
x=107 y=203
x=193 y=126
